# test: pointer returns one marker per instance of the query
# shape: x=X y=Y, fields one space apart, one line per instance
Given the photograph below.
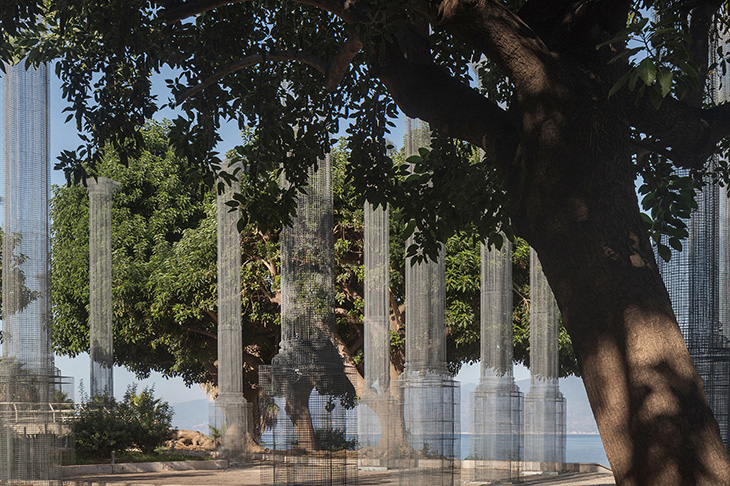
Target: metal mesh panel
x=306 y=426
x=35 y=434
x=544 y=404
x=698 y=281
x=230 y=338
x=26 y=303
x=496 y=402
x=101 y=349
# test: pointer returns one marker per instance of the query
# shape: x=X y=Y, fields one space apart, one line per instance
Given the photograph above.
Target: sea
x=579 y=448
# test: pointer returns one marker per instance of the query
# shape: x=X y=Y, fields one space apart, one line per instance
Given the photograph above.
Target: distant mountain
x=192 y=415
x=580 y=417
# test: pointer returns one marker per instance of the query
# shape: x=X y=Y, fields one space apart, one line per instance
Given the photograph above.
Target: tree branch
x=501 y=35
x=199 y=331
x=287 y=55
x=430 y=93
x=701 y=23
x=341 y=62
x=687 y=135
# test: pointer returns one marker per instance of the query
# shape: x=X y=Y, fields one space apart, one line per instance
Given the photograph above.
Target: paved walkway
x=252 y=476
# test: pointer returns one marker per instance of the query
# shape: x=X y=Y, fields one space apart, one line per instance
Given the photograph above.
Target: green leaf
x=664 y=78
x=664 y=252
x=647 y=71
x=408 y=230
x=675 y=243
x=655 y=98
x=617 y=86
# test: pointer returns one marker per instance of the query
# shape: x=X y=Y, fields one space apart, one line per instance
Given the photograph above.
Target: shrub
x=102 y=427
x=151 y=417
x=333 y=440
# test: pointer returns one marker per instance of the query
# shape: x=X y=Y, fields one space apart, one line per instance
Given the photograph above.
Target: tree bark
x=297 y=409
x=575 y=203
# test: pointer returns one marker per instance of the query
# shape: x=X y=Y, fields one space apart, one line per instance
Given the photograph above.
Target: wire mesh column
x=31 y=438
x=497 y=403
x=26 y=304
x=380 y=427
x=101 y=333
x=430 y=394
x=544 y=404
x=698 y=283
x=307 y=392
x=230 y=400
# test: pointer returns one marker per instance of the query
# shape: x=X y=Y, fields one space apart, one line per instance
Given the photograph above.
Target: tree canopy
x=579 y=97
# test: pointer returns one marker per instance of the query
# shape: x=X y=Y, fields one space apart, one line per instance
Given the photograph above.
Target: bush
x=151 y=417
x=333 y=440
x=103 y=425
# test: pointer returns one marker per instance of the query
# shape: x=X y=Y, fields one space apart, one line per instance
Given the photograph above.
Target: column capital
x=102 y=185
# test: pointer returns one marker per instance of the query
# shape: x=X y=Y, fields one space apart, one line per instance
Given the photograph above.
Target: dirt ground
x=261 y=475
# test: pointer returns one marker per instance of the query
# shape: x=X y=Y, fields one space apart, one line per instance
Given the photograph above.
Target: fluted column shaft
x=377 y=315
x=101 y=333
x=230 y=337
x=230 y=332
x=544 y=404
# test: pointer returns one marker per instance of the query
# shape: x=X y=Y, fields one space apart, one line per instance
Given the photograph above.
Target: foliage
x=106 y=76
x=164 y=251
x=102 y=426
x=151 y=417
x=333 y=440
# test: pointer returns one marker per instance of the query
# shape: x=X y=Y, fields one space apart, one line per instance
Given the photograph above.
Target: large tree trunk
x=297 y=409
x=576 y=205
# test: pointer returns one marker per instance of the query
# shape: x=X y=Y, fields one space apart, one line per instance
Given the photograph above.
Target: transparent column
x=26 y=291
x=544 y=404
x=307 y=275
x=30 y=437
x=377 y=299
x=381 y=428
x=430 y=394
x=373 y=419
x=496 y=402
x=697 y=281
x=230 y=401
x=101 y=333
x=307 y=396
